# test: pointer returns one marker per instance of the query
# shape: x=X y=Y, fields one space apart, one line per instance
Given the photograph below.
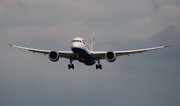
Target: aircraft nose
x=74 y=45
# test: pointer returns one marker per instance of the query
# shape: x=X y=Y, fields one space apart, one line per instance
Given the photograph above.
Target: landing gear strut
x=98 y=66
x=71 y=65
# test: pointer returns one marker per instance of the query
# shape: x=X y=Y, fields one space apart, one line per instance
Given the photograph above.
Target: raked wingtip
x=168 y=46
x=9 y=45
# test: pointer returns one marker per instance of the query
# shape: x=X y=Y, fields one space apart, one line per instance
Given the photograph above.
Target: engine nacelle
x=53 y=56
x=110 y=56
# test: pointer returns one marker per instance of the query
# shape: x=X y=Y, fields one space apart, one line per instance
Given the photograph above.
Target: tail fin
x=92 y=45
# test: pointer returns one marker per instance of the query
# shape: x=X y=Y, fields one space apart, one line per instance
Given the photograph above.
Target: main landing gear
x=98 y=66
x=71 y=65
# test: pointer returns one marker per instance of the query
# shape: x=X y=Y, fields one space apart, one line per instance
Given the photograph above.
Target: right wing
x=62 y=54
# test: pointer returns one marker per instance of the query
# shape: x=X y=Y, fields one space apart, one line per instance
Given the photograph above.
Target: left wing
x=101 y=54
x=63 y=54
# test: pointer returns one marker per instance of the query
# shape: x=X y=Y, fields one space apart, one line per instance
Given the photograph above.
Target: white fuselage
x=80 y=43
x=82 y=50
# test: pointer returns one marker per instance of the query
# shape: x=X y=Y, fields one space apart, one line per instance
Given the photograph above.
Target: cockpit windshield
x=76 y=40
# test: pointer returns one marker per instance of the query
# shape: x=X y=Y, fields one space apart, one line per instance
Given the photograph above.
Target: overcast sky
x=150 y=79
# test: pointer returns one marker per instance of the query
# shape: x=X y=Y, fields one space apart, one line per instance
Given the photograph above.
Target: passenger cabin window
x=76 y=40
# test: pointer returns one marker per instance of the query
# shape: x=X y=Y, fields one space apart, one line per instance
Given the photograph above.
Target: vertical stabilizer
x=92 y=45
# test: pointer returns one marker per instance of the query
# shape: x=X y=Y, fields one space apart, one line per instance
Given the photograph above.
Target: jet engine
x=53 y=56
x=110 y=56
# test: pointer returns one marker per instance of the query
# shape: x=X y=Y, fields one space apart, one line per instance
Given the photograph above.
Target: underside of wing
x=98 y=54
x=101 y=54
x=62 y=54
x=32 y=49
x=66 y=54
x=128 y=52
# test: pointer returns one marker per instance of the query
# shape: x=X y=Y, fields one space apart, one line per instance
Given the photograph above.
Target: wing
x=101 y=54
x=62 y=54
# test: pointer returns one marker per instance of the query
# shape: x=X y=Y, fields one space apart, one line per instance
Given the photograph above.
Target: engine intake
x=53 y=56
x=110 y=56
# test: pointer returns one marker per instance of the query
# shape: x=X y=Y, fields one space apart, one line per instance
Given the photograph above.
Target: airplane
x=85 y=53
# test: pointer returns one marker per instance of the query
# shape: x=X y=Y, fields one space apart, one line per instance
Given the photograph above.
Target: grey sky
x=150 y=79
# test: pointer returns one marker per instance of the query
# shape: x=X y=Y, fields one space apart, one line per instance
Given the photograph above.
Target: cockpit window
x=76 y=40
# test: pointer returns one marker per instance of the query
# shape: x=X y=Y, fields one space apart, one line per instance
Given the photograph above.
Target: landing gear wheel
x=71 y=66
x=98 y=66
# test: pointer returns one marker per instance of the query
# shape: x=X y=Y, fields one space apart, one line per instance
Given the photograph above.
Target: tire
x=72 y=66
x=69 y=66
x=100 y=66
x=96 y=66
